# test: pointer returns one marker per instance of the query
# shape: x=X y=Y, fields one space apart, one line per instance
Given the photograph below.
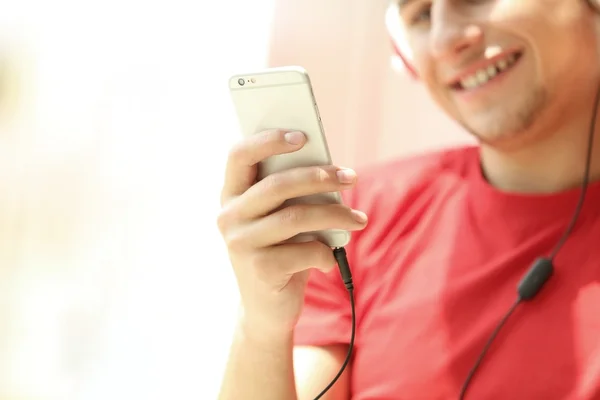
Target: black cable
x=465 y=386
x=528 y=288
x=344 y=267
x=584 y=183
x=542 y=269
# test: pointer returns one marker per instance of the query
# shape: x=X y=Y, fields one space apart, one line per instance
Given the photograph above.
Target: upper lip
x=476 y=66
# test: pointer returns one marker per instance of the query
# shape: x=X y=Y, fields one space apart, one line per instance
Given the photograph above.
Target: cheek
x=425 y=68
x=565 y=54
x=555 y=37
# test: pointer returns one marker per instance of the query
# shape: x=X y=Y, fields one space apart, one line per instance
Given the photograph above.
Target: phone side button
x=318 y=113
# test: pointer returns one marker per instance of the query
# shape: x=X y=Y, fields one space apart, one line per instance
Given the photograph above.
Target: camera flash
x=253 y=80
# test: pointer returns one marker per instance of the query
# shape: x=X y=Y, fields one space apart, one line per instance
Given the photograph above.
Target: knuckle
x=273 y=183
x=222 y=222
x=343 y=209
x=339 y=210
x=336 y=216
x=231 y=230
x=235 y=240
x=320 y=176
x=292 y=215
x=262 y=139
x=237 y=151
x=268 y=138
x=226 y=218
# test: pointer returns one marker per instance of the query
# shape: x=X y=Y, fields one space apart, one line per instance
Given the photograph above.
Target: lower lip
x=472 y=94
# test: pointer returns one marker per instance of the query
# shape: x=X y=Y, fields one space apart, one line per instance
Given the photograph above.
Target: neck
x=549 y=165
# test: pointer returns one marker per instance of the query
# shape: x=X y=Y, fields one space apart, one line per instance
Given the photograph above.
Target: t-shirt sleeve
x=326 y=316
x=385 y=192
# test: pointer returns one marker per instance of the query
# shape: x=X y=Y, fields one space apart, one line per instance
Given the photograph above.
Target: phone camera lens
x=241 y=82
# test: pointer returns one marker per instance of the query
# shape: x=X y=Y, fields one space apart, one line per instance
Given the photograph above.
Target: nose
x=452 y=33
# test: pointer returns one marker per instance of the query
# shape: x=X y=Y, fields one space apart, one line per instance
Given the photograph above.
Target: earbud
x=396 y=35
x=411 y=70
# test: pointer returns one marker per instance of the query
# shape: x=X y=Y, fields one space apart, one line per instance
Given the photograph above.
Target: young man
x=450 y=235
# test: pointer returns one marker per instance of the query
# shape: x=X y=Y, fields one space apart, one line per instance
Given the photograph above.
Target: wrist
x=264 y=335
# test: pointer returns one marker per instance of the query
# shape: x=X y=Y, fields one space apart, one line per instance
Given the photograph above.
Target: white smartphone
x=282 y=98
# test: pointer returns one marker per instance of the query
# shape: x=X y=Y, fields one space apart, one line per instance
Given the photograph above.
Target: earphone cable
x=586 y=179
x=542 y=269
x=344 y=267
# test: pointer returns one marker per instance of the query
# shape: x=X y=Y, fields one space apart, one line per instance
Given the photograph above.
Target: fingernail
x=359 y=216
x=294 y=137
x=346 y=175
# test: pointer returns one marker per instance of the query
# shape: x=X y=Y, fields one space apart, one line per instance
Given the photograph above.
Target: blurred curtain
x=114 y=281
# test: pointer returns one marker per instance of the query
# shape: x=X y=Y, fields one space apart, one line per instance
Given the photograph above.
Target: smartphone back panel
x=282 y=98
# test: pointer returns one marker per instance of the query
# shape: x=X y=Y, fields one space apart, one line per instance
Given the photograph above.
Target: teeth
x=469 y=82
x=502 y=65
x=482 y=76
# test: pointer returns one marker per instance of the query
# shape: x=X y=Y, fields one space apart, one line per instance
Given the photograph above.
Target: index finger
x=241 y=168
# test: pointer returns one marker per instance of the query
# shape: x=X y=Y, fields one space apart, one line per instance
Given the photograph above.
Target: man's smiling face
x=499 y=66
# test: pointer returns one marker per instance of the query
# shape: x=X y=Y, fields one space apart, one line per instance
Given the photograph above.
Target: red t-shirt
x=438 y=267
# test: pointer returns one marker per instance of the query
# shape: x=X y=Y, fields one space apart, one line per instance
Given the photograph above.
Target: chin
x=506 y=127
x=497 y=130
x=501 y=135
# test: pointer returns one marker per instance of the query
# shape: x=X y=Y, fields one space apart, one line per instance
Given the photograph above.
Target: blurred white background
x=114 y=280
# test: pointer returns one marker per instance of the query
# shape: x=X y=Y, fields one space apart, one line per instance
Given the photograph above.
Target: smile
x=486 y=73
